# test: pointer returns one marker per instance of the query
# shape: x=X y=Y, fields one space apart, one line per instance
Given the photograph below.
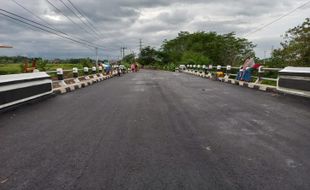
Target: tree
x=295 y=50
x=148 y=56
x=206 y=48
x=128 y=59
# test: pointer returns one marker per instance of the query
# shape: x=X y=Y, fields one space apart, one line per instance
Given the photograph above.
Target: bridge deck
x=158 y=130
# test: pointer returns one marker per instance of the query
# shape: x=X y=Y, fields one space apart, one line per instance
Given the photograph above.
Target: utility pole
x=140 y=44
x=96 y=57
x=123 y=52
x=121 y=57
x=265 y=57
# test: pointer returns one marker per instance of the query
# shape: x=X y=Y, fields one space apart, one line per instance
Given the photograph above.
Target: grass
x=10 y=69
x=17 y=68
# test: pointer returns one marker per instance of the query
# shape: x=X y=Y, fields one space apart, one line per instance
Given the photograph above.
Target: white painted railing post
x=85 y=70
x=60 y=74
x=228 y=71
x=75 y=72
x=260 y=74
x=60 y=77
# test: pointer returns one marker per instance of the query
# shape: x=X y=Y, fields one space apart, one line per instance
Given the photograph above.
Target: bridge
x=158 y=130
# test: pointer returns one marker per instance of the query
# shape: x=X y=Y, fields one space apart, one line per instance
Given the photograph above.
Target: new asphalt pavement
x=158 y=130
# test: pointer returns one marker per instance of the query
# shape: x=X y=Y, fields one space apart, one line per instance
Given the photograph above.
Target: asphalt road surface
x=158 y=130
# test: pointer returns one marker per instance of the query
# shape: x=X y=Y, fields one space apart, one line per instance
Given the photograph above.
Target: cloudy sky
x=121 y=23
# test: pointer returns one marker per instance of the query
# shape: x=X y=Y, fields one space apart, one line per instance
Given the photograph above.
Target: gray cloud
x=124 y=22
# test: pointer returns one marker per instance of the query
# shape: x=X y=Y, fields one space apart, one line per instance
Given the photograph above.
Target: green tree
x=206 y=48
x=295 y=50
x=148 y=56
x=128 y=59
x=41 y=64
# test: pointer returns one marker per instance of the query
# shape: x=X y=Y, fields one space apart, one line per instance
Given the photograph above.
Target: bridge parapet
x=297 y=82
x=19 y=88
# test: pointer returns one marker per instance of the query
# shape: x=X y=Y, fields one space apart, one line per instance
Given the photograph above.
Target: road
x=158 y=130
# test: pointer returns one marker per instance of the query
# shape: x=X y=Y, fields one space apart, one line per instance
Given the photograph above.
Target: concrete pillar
x=260 y=74
x=94 y=70
x=75 y=72
x=60 y=74
x=85 y=70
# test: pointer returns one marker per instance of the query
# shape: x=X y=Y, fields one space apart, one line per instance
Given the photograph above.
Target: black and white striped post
x=218 y=71
x=60 y=74
x=198 y=68
x=60 y=77
x=75 y=72
x=85 y=70
x=94 y=72
x=210 y=71
x=100 y=69
x=219 y=68
x=228 y=72
x=205 y=70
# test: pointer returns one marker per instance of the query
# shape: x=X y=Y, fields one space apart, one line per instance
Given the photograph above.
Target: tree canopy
x=295 y=49
x=199 y=48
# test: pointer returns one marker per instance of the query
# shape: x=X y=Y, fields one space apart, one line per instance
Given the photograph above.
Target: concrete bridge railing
x=20 y=88
x=292 y=80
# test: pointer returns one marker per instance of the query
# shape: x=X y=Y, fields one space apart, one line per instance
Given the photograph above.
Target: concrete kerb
x=70 y=85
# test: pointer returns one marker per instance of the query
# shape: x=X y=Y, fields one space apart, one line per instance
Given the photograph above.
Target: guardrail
x=257 y=77
x=291 y=80
x=19 y=88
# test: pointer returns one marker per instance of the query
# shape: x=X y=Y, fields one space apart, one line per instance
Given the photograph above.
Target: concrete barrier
x=294 y=80
x=19 y=88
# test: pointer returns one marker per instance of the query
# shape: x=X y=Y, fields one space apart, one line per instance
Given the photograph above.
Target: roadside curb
x=70 y=85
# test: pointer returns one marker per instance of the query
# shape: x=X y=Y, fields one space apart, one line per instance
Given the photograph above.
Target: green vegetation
x=198 y=48
x=13 y=65
x=201 y=48
x=10 y=69
x=128 y=60
x=295 y=50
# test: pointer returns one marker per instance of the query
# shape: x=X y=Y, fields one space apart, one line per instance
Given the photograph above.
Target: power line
x=49 y=28
x=46 y=30
x=84 y=16
x=270 y=23
x=61 y=12
x=33 y=25
x=32 y=13
x=92 y=27
x=87 y=27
